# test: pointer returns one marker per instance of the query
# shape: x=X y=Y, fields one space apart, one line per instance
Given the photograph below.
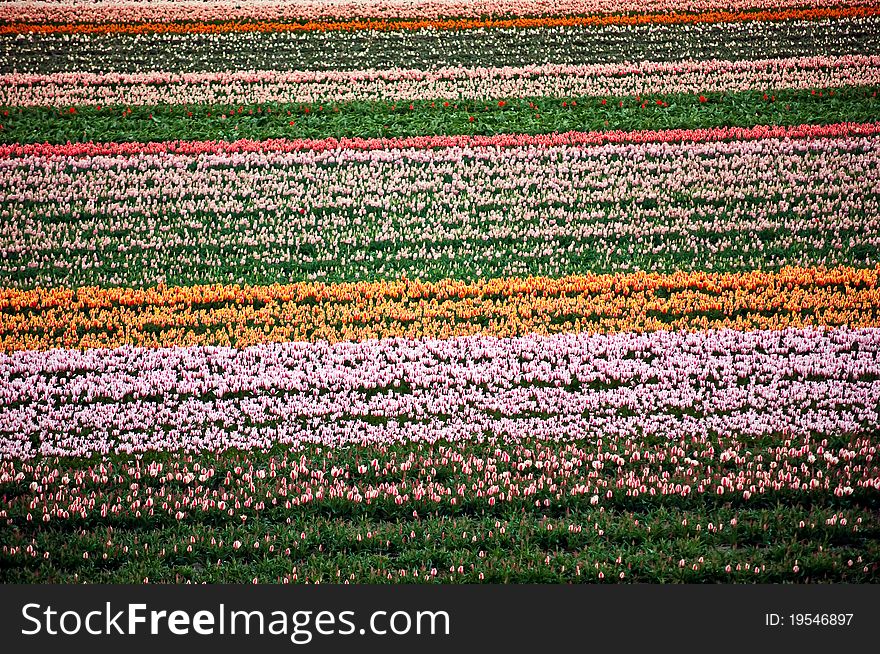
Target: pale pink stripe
x=456 y=83
x=76 y=403
x=707 y=67
x=91 y=149
x=108 y=12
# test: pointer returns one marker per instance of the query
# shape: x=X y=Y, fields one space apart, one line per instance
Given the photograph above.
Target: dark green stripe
x=382 y=119
x=766 y=533
x=429 y=49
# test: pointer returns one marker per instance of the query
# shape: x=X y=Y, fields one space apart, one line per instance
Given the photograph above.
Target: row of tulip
x=347 y=215
x=661 y=18
x=468 y=141
x=489 y=476
x=478 y=475
x=43 y=319
x=804 y=539
x=128 y=11
x=708 y=388
x=441 y=123
x=429 y=49
x=555 y=81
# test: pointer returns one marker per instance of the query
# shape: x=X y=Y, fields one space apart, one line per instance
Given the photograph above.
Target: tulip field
x=440 y=291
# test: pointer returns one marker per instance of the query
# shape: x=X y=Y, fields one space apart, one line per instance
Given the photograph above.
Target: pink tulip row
x=621 y=205
x=112 y=11
x=646 y=68
x=66 y=89
x=95 y=149
x=705 y=388
x=540 y=472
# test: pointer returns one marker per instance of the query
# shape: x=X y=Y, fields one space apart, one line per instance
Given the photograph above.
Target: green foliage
x=789 y=536
x=394 y=119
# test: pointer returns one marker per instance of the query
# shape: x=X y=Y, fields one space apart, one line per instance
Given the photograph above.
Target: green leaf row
x=781 y=536
x=437 y=117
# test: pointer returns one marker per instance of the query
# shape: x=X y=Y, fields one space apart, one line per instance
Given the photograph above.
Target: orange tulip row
x=248 y=315
x=200 y=27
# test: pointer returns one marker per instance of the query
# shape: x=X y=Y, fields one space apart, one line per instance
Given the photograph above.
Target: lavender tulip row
x=65 y=89
x=430 y=49
x=262 y=217
x=671 y=385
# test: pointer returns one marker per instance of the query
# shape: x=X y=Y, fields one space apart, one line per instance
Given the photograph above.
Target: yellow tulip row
x=235 y=315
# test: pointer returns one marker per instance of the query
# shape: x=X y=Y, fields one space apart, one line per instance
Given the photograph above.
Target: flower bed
x=440 y=291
